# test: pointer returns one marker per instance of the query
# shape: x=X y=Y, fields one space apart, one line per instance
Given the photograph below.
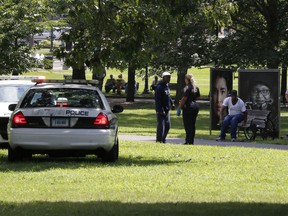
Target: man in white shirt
x=236 y=113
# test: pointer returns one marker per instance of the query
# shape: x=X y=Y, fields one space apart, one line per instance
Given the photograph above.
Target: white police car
x=63 y=119
x=11 y=89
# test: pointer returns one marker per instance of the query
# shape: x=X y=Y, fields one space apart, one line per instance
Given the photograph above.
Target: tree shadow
x=39 y=163
x=121 y=208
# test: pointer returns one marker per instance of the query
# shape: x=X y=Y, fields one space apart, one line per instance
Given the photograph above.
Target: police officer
x=190 y=108
x=163 y=103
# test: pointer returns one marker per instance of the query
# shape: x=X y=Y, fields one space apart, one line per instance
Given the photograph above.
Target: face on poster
x=260 y=90
x=220 y=86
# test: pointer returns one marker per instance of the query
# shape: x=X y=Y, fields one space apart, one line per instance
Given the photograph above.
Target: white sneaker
x=233 y=140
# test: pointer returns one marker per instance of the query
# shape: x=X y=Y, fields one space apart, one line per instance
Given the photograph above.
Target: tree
x=18 y=21
x=193 y=37
x=92 y=27
x=135 y=28
x=258 y=35
x=75 y=52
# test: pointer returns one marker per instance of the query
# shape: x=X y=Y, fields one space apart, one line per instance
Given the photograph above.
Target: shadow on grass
x=118 y=208
x=40 y=163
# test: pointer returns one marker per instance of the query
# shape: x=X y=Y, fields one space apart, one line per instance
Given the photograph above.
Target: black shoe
x=220 y=139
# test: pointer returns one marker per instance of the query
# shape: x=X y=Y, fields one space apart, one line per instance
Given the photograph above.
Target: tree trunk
x=182 y=71
x=146 y=89
x=78 y=73
x=98 y=73
x=131 y=84
x=284 y=82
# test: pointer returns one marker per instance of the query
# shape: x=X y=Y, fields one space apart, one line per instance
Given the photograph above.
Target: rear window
x=61 y=97
x=12 y=93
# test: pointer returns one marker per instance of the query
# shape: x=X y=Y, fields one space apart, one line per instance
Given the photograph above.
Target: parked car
x=63 y=118
x=11 y=89
x=46 y=35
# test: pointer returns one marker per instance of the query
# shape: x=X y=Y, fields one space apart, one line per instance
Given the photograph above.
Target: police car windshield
x=12 y=93
x=61 y=97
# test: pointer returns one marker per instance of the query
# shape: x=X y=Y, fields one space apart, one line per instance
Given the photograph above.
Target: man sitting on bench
x=236 y=113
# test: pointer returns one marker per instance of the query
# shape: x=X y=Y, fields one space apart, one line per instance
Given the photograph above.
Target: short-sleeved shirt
x=191 y=94
x=236 y=109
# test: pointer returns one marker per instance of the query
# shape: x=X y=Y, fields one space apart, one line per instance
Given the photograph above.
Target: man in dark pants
x=163 y=103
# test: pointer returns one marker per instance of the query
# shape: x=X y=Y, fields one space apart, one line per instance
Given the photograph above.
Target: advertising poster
x=221 y=83
x=260 y=89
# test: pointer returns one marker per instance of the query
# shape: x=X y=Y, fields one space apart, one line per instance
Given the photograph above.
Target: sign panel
x=221 y=83
x=260 y=90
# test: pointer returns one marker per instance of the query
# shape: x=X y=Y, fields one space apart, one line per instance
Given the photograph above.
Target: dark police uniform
x=190 y=112
x=163 y=103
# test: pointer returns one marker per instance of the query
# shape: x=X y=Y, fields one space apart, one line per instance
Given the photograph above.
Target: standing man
x=236 y=113
x=163 y=103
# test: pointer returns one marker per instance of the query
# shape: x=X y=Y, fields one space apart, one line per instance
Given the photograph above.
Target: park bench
x=258 y=124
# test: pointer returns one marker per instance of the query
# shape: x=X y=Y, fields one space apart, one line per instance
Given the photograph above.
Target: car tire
x=112 y=155
x=14 y=154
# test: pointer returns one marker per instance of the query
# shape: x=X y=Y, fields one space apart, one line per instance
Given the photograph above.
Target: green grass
x=150 y=179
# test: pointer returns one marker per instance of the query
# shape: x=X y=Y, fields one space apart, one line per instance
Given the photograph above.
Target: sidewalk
x=180 y=141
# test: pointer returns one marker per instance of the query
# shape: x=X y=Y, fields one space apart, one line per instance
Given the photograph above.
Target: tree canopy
x=18 y=21
x=134 y=34
x=257 y=35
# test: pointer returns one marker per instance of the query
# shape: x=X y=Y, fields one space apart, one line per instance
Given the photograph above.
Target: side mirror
x=12 y=107
x=117 y=109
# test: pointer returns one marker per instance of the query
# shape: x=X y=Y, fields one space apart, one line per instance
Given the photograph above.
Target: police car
x=63 y=118
x=11 y=89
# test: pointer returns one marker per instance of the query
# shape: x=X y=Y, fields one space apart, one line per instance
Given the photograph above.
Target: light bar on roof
x=21 y=77
x=72 y=81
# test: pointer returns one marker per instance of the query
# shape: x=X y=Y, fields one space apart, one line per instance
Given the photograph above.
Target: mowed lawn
x=149 y=179
x=152 y=178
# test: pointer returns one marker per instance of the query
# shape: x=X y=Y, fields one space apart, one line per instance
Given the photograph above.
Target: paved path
x=130 y=137
x=203 y=142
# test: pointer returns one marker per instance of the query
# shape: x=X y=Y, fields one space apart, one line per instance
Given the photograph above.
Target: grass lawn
x=150 y=179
